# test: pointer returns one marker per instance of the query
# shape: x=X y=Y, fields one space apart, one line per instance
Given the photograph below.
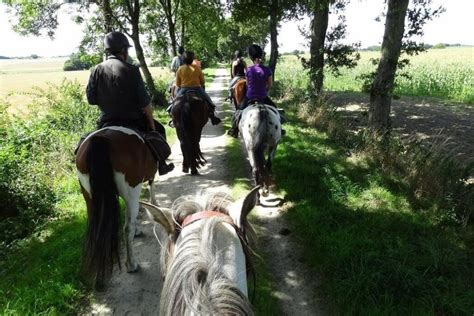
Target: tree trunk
x=107 y=12
x=382 y=87
x=183 y=30
x=273 y=36
x=134 y=12
x=319 y=26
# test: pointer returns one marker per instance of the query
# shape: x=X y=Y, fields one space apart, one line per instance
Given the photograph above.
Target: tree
x=276 y=11
x=239 y=34
x=35 y=16
x=394 y=41
x=171 y=10
x=324 y=43
x=319 y=25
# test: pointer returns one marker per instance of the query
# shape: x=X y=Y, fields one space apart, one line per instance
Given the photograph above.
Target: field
x=20 y=78
x=444 y=73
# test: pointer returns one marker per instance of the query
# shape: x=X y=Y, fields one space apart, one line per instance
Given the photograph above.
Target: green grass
x=377 y=253
x=264 y=303
x=40 y=275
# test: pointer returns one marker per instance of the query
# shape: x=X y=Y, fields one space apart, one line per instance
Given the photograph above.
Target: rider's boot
x=234 y=130
x=164 y=168
x=212 y=115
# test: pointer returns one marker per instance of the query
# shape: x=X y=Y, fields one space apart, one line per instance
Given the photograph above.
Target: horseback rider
x=237 y=71
x=177 y=60
x=259 y=82
x=191 y=78
x=118 y=89
x=238 y=68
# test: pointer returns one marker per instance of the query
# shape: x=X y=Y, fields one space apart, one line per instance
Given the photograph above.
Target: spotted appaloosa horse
x=206 y=259
x=238 y=92
x=260 y=128
x=190 y=113
x=111 y=162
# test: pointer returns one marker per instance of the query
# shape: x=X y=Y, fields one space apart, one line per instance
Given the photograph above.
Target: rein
x=188 y=220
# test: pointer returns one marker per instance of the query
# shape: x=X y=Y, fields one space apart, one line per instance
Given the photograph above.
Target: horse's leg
x=152 y=193
x=185 y=158
x=131 y=195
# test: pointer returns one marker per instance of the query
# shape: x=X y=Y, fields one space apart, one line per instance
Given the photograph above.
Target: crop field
x=445 y=73
x=21 y=78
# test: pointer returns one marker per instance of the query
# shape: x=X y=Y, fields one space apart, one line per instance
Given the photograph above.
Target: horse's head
x=207 y=244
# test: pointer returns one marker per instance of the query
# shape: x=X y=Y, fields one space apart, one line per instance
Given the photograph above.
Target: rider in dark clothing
x=237 y=71
x=118 y=89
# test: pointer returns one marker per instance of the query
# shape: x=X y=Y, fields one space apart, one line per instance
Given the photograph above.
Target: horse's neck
x=225 y=246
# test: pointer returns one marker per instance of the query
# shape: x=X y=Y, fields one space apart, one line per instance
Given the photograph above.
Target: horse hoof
x=185 y=169
x=131 y=268
x=194 y=172
x=100 y=286
x=138 y=232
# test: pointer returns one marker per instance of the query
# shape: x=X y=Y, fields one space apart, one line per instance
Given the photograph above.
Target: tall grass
x=444 y=73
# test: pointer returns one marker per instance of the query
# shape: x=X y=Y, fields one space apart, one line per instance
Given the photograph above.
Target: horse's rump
x=261 y=132
x=239 y=91
x=128 y=151
x=190 y=113
x=110 y=162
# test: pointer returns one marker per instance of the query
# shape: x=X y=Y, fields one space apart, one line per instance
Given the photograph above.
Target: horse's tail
x=260 y=143
x=101 y=249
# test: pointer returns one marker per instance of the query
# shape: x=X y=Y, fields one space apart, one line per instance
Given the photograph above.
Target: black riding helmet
x=255 y=52
x=115 y=42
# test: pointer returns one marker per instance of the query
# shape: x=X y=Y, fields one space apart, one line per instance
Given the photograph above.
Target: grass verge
x=378 y=252
x=264 y=303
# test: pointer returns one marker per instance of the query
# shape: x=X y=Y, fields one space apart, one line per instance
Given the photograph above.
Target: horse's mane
x=195 y=283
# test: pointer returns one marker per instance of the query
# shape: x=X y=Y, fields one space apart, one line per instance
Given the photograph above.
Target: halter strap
x=205 y=214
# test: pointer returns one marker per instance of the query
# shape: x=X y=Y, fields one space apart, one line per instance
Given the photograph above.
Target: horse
x=190 y=113
x=238 y=92
x=260 y=128
x=206 y=257
x=112 y=161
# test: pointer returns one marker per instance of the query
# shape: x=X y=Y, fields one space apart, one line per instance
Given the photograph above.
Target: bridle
x=190 y=219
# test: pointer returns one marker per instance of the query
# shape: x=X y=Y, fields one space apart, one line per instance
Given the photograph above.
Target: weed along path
x=139 y=293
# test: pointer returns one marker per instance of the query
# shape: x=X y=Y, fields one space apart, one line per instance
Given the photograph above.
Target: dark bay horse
x=190 y=113
x=112 y=162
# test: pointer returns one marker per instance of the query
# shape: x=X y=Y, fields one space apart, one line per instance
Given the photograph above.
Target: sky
x=454 y=26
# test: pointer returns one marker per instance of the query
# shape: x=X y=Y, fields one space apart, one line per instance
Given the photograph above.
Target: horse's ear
x=158 y=215
x=247 y=204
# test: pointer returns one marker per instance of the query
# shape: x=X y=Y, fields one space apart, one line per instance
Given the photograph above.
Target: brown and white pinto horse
x=112 y=162
x=238 y=92
x=190 y=113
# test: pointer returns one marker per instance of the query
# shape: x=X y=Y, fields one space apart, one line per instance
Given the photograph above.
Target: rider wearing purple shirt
x=259 y=82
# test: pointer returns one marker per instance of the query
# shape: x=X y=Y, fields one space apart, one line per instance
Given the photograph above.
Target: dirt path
x=451 y=126
x=138 y=293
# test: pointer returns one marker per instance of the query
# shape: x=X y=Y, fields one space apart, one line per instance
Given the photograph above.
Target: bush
x=439 y=46
x=36 y=152
x=81 y=61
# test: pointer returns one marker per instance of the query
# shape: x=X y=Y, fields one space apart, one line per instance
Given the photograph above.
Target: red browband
x=205 y=214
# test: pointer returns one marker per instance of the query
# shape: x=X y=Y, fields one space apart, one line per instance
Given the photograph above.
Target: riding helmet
x=115 y=42
x=255 y=52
